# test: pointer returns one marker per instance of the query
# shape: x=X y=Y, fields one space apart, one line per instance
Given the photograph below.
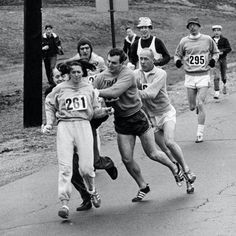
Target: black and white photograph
x=117 y=117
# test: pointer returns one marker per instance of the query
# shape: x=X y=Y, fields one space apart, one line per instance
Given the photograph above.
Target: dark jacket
x=53 y=42
x=224 y=46
x=128 y=43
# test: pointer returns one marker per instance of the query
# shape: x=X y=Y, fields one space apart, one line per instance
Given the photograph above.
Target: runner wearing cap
x=197 y=52
x=221 y=66
x=161 y=54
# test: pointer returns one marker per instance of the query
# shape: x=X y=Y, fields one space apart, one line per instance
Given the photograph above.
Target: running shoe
x=199 y=138
x=141 y=194
x=112 y=172
x=224 y=90
x=95 y=199
x=64 y=212
x=179 y=178
x=190 y=176
x=217 y=94
x=84 y=206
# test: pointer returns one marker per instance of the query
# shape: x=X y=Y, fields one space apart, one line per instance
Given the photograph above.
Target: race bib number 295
x=196 y=60
x=77 y=103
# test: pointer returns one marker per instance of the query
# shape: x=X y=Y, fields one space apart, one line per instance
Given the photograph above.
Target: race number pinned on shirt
x=91 y=78
x=144 y=86
x=77 y=103
x=196 y=60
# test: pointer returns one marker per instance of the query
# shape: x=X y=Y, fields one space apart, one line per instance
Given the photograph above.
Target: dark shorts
x=137 y=124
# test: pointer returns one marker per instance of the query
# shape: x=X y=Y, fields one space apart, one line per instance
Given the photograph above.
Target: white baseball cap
x=144 y=21
x=216 y=27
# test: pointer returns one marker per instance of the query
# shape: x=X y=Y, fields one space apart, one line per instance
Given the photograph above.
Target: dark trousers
x=99 y=163
x=220 y=72
x=50 y=63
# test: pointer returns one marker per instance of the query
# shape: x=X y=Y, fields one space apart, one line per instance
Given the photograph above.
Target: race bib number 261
x=78 y=103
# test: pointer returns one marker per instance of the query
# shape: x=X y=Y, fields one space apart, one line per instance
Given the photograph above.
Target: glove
x=178 y=63
x=212 y=63
x=46 y=128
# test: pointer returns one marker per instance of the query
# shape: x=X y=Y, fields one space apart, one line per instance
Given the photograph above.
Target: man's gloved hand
x=178 y=63
x=212 y=63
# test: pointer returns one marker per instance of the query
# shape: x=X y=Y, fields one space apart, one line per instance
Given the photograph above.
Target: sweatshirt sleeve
x=133 y=52
x=214 y=50
x=179 y=52
x=161 y=48
x=51 y=107
x=227 y=47
x=153 y=88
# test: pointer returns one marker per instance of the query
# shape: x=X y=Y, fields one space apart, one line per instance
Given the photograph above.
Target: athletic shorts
x=159 y=121
x=197 y=81
x=137 y=124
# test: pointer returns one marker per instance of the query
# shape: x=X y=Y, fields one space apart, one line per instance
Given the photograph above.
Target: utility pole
x=112 y=6
x=111 y=10
x=32 y=63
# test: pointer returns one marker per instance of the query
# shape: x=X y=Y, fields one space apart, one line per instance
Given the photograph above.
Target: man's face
x=146 y=61
x=85 y=51
x=129 y=32
x=113 y=64
x=193 y=28
x=48 y=31
x=217 y=32
x=145 y=31
x=57 y=77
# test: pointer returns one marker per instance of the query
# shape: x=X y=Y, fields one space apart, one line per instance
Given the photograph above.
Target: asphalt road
x=29 y=206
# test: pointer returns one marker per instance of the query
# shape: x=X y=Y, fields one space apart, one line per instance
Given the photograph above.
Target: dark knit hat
x=48 y=26
x=193 y=20
x=84 y=41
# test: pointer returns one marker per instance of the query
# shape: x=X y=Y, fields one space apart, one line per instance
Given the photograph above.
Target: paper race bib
x=196 y=60
x=76 y=103
x=144 y=86
x=91 y=78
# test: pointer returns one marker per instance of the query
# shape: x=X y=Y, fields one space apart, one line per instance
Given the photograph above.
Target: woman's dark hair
x=65 y=68
x=118 y=52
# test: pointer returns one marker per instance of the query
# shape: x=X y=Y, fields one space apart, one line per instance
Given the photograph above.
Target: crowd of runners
x=131 y=86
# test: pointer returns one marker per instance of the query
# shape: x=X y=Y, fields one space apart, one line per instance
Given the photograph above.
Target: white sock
x=200 y=130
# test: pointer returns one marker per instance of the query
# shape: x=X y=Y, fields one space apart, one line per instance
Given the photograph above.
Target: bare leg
x=159 y=139
x=202 y=93
x=126 y=145
x=169 y=138
x=149 y=146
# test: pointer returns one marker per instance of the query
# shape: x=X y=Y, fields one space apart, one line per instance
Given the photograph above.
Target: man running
x=147 y=40
x=198 y=52
x=151 y=82
x=118 y=87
